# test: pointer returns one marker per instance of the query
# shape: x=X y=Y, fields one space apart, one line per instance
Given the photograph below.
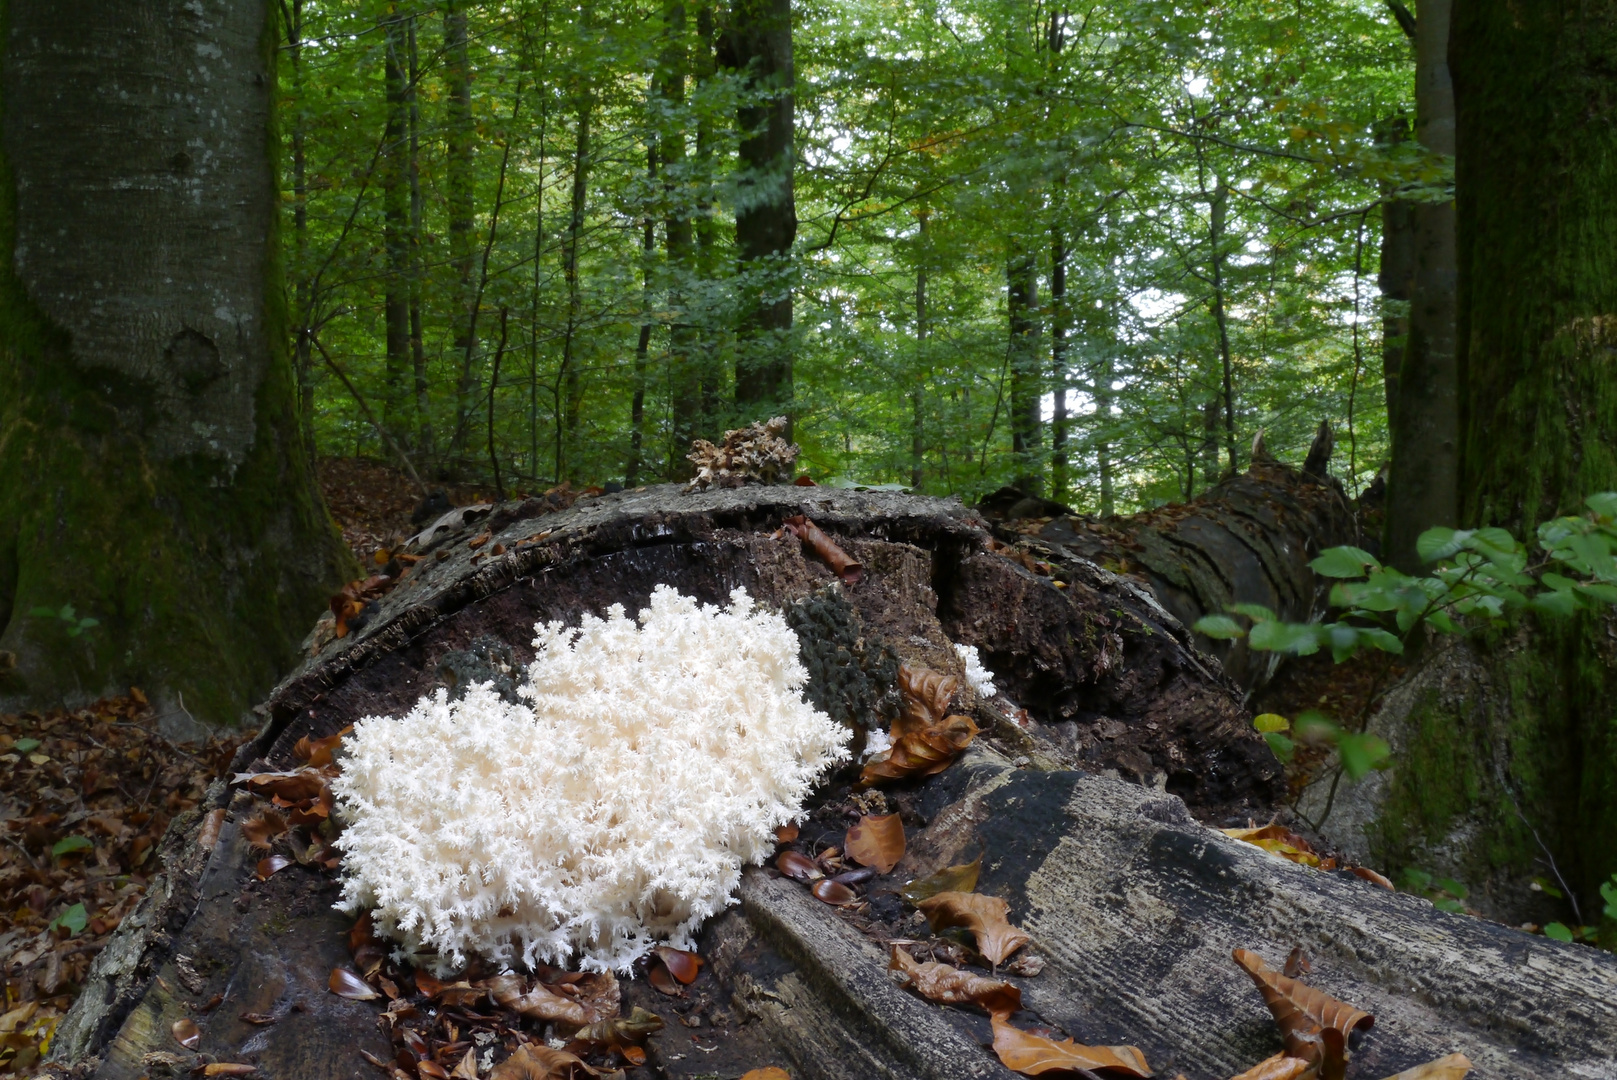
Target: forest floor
x=85 y=798
x=372 y=501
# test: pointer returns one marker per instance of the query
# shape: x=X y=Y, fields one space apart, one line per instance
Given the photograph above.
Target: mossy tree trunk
x=1507 y=749
x=151 y=469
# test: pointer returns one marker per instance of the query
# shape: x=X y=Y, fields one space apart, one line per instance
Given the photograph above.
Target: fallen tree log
x=1132 y=902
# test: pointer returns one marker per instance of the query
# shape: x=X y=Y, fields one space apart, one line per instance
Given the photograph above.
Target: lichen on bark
x=163 y=491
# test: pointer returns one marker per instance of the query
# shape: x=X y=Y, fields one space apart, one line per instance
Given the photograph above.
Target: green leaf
x=68 y=845
x=1344 y=562
x=1381 y=639
x=74 y=919
x=1416 y=880
x=1559 y=604
x=1444 y=903
x=1440 y=543
x=1218 y=627
x=67 y=614
x=1608 y=893
x=1361 y=753
x=1279 y=745
x=87 y=623
x=1269 y=721
x=24 y=746
x=1548 y=889
x=1314 y=727
x=43 y=612
x=1452 y=887
x=1255 y=612
x=1557 y=931
x=1603 y=503
x=1302 y=639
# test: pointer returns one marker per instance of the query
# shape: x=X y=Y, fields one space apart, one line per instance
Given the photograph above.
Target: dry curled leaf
x=260 y=830
x=1278 y=840
x=877 y=842
x=538 y=1002
x=1033 y=1055
x=258 y=1019
x=269 y=866
x=662 y=982
x=834 y=892
x=798 y=867
x=533 y=1061
x=681 y=964
x=318 y=752
x=346 y=984
x=951 y=986
x=786 y=833
x=186 y=1032
x=229 y=1068
x=467 y=1068
x=825 y=549
x=1367 y=874
x=428 y=1069
x=208 y=835
x=293 y=787
x=926 y=694
x=771 y=1073
x=1297 y=964
x=622 y=1032
x=1280 y=1067
x=983 y=915
x=920 y=752
x=1305 y=1016
x=962 y=878
x=1452 y=1067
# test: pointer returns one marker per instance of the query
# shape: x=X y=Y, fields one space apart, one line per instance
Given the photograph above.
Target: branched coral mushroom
x=612 y=808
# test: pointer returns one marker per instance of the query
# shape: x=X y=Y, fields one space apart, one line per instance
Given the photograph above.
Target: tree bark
x=396 y=165
x=1423 y=484
x=1218 y=210
x=147 y=394
x=1026 y=368
x=567 y=443
x=460 y=183
x=1395 y=279
x=684 y=358
x=757 y=45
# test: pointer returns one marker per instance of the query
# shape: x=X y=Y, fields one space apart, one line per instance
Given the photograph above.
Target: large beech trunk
x=152 y=473
x=1133 y=904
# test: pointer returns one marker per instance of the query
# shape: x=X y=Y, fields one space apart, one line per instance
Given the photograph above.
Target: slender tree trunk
x=1060 y=322
x=704 y=68
x=1027 y=383
x=1218 y=211
x=1395 y=279
x=395 y=227
x=1103 y=429
x=152 y=471
x=918 y=392
x=757 y=45
x=1423 y=485
x=302 y=354
x=573 y=386
x=642 y=348
x=684 y=363
x=418 y=347
x=460 y=183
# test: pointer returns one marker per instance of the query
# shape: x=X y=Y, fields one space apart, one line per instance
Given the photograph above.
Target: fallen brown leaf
x=841 y=563
x=622 y=1033
x=467 y=1069
x=923 y=752
x=951 y=986
x=269 y=866
x=428 y=1069
x=877 y=842
x=1452 y=1067
x=261 y=829
x=798 y=867
x=983 y=915
x=533 y=1061
x=293 y=787
x=1372 y=877
x=962 y=878
x=834 y=892
x=346 y=984
x=1305 y=1015
x=1033 y=1055
x=1297 y=964
x=208 y=835
x=229 y=1068
x=786 y=833
x=771 y=1073
x=318 y=752
x=259 y=1019
x=926 y=694
x=186 y=1032
x=1280 y=1067
x=537 y=1002
x=1277 y=840
x=682 y=965
x=662 y=982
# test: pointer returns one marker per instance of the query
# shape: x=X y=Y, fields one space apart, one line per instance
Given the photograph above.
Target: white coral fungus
x=980 y=678
x=612 y=808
